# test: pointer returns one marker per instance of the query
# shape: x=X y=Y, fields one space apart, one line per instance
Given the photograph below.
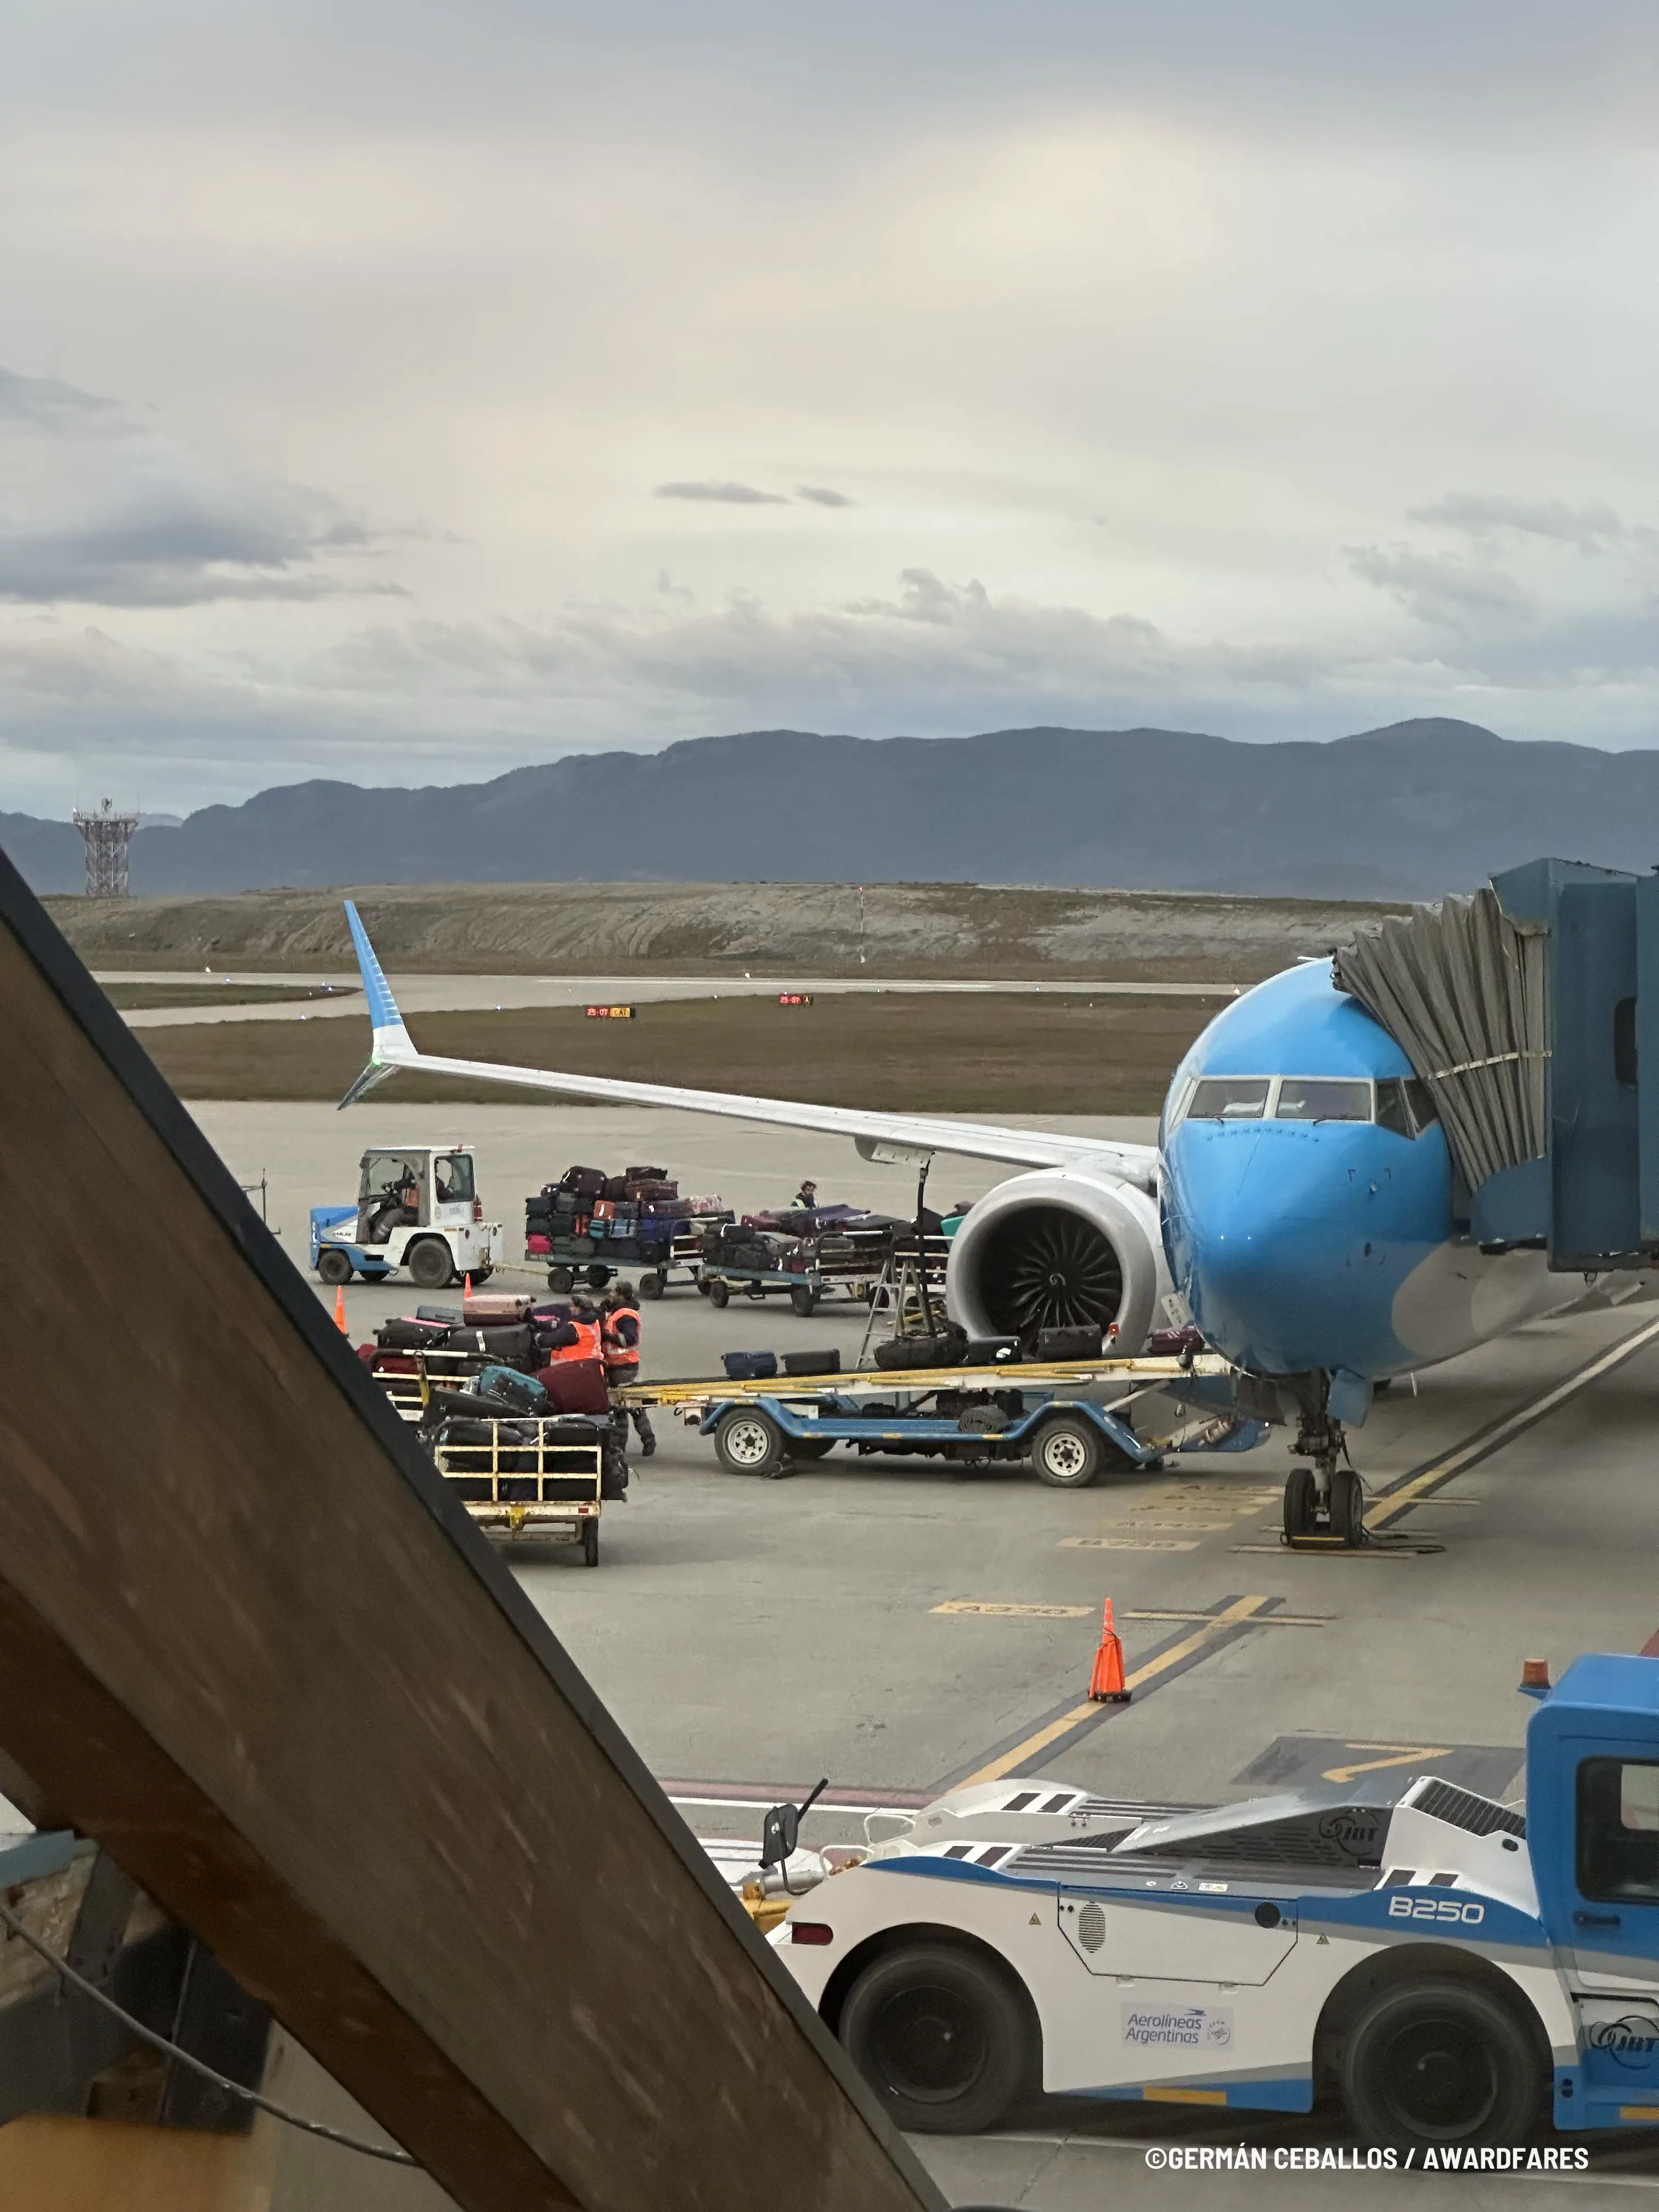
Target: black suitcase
x=812 y=1363
x=645 y=1175
x=511 y=1346
x=990 y=1351
x=920 y=1352
x=1068 y=1344
x=405 y=1333
x=750 y=1367
x=451 y=1316
x=587 y=1182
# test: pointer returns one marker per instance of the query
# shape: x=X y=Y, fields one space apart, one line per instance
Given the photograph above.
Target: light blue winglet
x=393 y=1047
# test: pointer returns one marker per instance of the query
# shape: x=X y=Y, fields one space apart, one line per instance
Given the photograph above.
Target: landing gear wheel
x=333 y=1266
x=939 y=2036
x=1347 y=1505
x=718 y=1293
x=597 y=1277
x=590 y=1543
x=748 y=1442
x=1067 y=1454
x=561 y=1280
x=1301 y=1502
x=1439 y=2063
x=430 y=1265
x=653 y=1286
x=804 y=1300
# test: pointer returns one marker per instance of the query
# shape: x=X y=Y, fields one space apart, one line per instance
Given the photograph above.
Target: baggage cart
x=552 y=1488
x=656 y=1264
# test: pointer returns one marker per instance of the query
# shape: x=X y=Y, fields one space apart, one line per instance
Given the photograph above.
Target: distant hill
x=1414 y=810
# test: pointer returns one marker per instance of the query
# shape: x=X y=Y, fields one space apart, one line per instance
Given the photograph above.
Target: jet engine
x=1056 y=1250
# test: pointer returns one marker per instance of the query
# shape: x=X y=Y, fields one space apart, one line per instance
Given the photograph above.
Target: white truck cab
x=418 y=1208
x=1455 y=1969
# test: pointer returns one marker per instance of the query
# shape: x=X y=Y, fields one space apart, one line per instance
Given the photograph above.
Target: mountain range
x=1411 y=810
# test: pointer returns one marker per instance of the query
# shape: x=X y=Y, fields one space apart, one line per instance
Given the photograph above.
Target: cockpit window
x=1406 y=1105
x=1322 y=1098
x=1229 y=1098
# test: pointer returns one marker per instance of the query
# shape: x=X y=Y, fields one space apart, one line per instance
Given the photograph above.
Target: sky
x=405 y=393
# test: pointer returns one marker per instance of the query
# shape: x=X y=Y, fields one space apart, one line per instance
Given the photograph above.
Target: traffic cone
x=339 y=1309
x=466 y=1291
x=1106 y=1684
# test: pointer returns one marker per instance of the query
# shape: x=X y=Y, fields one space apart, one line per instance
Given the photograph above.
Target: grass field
x=133 y=997
x=1053 y=1054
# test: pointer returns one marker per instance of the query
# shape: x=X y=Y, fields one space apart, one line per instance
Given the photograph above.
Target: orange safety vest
x=587 y=1346
x=617 y=1353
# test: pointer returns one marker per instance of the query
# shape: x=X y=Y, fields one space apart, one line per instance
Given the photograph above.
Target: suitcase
x=534 y=1243
x=403 y=1332
x=990 y=1351
x=920 y=1352
x=497 y=1310
x=520 y=1393
x=645 y=1175
x=509 y=1348
x=1068 y=1344
x=812 y=1363
x=616 y=1187
x=604 y=1209
x=451 y=1316
x=750 y=1367
x=575 y=1386
x=586 y=1183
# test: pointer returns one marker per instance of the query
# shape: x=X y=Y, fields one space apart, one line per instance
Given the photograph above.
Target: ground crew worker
x=806 y=1198
x=621 y=1331
x=589 y=1343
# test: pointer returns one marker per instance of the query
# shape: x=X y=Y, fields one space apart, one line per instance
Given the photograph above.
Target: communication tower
x=107 y=837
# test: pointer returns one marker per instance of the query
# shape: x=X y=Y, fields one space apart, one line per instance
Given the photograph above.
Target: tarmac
x=899 y=1626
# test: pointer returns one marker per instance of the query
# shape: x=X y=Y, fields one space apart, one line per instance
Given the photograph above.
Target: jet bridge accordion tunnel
x=1531 y=1010
x=251 y=1646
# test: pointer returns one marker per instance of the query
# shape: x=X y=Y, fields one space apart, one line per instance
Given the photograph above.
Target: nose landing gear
x=1328 y=1500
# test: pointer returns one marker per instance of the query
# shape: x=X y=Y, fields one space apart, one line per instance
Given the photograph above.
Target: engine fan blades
x=1047 y=1267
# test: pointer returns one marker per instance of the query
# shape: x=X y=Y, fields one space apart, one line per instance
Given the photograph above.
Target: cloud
x=726 y=495
x=821 y=495
x=1439 y=587
x=1482 y=514
x=98 y=509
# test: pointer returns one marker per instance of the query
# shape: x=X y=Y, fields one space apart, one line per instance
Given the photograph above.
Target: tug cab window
x=453 y=1177
x=1618 y=1830
x=1322 y=1098
x=1229 y=1098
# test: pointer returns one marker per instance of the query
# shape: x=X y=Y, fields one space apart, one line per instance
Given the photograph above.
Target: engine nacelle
x=1057 y=1249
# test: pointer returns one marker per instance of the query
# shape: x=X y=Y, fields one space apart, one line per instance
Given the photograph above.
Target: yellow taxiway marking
x=1396 y=1502
x=1184 y=2096
x=1008 y=1608
x=1241 y=1609
x=1400 y=1755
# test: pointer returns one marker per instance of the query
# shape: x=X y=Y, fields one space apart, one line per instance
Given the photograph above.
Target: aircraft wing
x=878 y=1136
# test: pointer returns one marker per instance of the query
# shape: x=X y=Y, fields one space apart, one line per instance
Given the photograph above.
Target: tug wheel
x=1443 y=2062
x=939 y=2036
x=333 y=1266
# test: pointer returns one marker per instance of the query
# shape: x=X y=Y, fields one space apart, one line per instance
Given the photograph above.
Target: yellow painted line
x=1268 y=1620
x=1184 y=2096
x=1638 y=2112
x=1186 y=1524
x=1490 y=1440
x=1127 y=1544
x=999 y=1609
x=1242 y=1608
x=1400 y=1755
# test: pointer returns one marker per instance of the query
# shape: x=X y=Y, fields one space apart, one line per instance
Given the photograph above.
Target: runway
x=901 y=1625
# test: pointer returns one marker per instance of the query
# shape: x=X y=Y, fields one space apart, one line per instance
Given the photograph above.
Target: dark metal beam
x=249 y=1643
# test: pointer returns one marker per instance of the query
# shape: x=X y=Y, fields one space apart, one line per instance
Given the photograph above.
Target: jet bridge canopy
x=1530 y=1010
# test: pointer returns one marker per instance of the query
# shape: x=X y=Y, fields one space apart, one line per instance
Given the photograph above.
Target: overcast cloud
x=405 y=395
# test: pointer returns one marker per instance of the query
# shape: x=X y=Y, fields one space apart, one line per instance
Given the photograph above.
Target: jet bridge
x=1531 y=1010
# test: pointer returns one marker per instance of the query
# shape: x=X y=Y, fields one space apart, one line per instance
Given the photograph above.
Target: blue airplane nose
x=1289 y=1239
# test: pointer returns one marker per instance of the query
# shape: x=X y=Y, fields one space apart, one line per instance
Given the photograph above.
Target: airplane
x=1297 y=1209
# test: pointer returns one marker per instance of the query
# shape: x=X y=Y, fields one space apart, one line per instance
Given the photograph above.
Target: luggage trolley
x=552 y=1487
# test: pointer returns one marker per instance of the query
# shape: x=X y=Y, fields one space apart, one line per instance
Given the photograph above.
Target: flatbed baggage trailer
x=1051 y=1412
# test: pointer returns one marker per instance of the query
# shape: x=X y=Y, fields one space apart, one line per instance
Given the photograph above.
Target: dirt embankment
x=901 y=929
x=955 y=1052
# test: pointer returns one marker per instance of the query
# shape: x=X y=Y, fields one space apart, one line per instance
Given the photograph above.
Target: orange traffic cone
x=339 y=1309
x=466 y=1289
x=1106 y=1685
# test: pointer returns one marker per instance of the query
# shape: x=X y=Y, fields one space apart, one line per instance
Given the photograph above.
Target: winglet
x=393 y=1047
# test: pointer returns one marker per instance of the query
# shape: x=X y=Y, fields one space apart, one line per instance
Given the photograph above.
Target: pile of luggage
x=630 y=1218
x=836 y=1239
x=951 y=1346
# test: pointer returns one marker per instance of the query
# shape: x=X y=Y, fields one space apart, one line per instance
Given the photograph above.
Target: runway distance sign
x=794 y=997
x=609 y=1014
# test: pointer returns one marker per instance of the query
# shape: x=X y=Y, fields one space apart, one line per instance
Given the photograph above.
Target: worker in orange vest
x=622 y=1329
x=588 y=1341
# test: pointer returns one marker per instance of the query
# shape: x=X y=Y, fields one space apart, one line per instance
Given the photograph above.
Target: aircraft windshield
x=1229 y=1098
x=1322 y=1098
